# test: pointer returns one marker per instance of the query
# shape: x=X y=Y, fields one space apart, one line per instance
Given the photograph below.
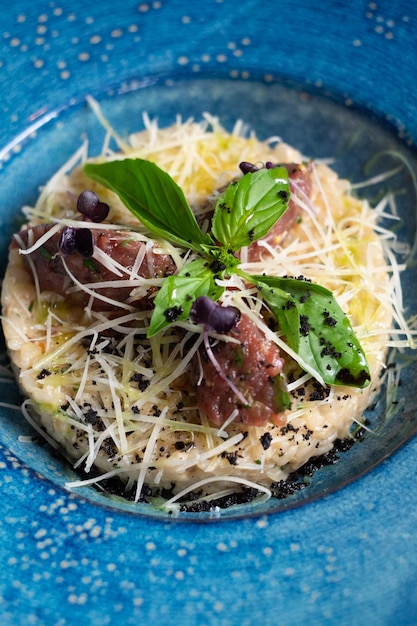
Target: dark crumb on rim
x=300 y=479
x=241 y=497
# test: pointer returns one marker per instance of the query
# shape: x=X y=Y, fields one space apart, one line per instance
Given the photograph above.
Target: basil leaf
x=153 y=197
x=316 y=329
x=178 y=292
x=250 y=207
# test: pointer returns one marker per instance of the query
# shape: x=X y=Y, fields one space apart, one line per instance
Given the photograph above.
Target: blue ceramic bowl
x=334 y=81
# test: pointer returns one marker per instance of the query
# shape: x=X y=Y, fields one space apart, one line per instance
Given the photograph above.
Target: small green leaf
x=316 y=329
x=153 y=197
x=282 y=400
x=250 y=207
x=178 y=292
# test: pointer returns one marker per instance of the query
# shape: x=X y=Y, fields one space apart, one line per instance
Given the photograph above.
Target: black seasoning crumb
x=91 y=416
x=301 y=478
x=284 y=195
x=266 y=440
x=319 y=392
x=217 y=266
x=346 y=377
x=224 y=207
x=43 y=374
x=251 y=234
x=241 y=497
x=290 y=304
x=329 y=349
x=173 y=313
x=307 y=435
x=230 y=456
x=143 y=383
x=181 y=445
x=328 y=319
x=288 y=428
x=304 y=325
x=109 y=447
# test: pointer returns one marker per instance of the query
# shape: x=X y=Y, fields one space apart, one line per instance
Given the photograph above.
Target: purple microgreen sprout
x=89 y=205
x=216 y=317
x=76 y=240
x=66 y=243
x=247 y=168
x=221 y=319
x=84 y=242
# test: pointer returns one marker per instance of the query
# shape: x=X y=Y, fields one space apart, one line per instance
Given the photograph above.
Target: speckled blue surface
x=347 y=558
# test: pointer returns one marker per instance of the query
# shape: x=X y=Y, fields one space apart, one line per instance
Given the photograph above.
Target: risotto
x=192 y=373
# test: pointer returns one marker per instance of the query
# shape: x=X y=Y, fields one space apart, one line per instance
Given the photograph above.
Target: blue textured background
x=348 y=558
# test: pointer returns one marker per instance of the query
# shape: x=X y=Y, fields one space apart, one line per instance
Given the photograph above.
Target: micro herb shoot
x=309 y=317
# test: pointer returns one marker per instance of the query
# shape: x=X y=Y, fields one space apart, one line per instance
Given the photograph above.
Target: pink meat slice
x=116 y=244
x=252 y=365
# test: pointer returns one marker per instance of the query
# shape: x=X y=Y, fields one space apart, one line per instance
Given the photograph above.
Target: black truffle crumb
x=304 y=325
x=43 y=374
x=143 y=383
x=231 y=457
x=266 y=440
x=242 y=497
x=173 y=313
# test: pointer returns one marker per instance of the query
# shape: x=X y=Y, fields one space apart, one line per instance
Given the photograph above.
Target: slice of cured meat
x=119 y=246
x=254 y=366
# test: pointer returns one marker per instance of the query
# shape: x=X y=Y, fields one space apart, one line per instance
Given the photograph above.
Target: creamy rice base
x=156 y=437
